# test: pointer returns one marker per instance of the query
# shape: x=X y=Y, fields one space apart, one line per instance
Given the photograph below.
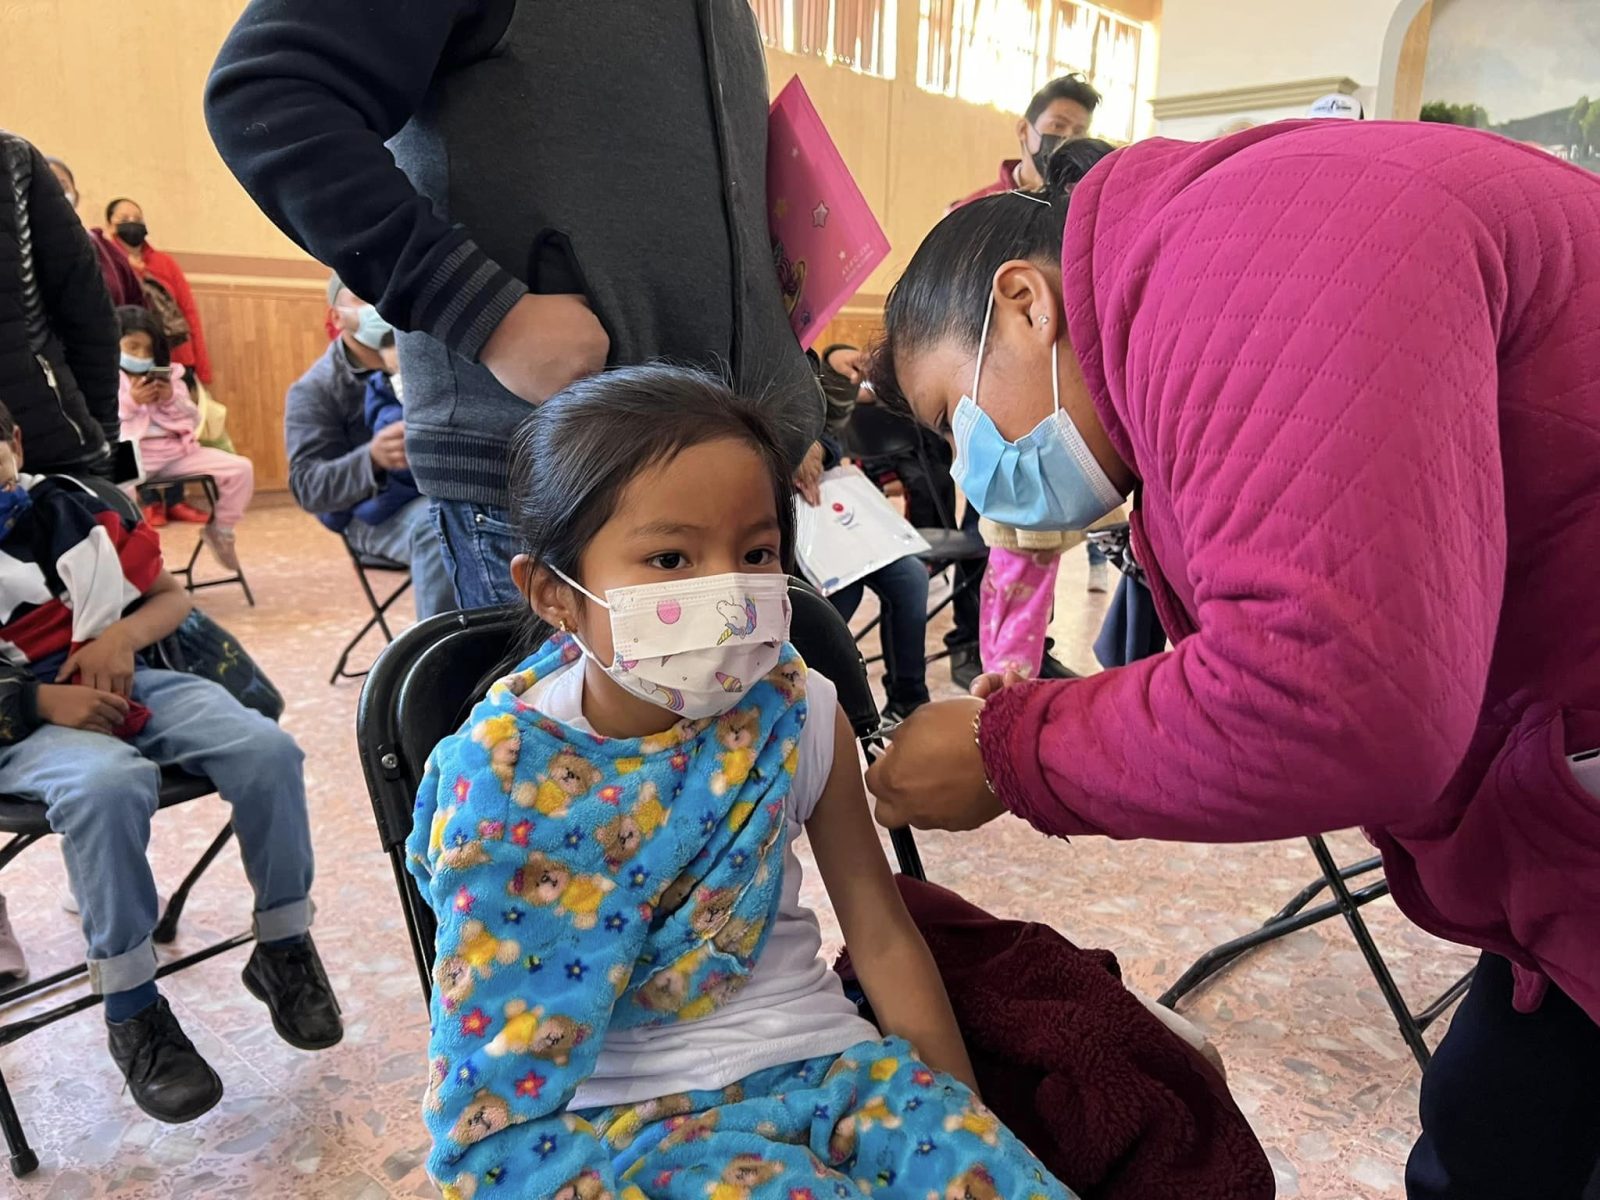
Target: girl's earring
x=562 y=625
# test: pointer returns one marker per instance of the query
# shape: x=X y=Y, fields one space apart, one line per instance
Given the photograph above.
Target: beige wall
x=119 y=100
x=1222 y=45
x=116 y=93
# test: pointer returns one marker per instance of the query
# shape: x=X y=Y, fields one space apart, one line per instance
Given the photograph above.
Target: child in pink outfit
x=157 y=413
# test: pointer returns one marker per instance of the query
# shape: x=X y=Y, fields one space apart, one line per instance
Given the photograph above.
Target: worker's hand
x=991 y=682
x=81 y=707
x=105 y=664
x=388 y=447
x=545 y=343
x=932 y=776
x=808 y=479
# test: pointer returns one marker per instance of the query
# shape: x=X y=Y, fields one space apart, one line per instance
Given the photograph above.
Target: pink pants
x=1014 y=611
x=165 y=458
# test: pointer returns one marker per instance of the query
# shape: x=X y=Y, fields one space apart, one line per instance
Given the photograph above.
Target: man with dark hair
x=1061 y=111
x=577 y=185
x=1016 y=577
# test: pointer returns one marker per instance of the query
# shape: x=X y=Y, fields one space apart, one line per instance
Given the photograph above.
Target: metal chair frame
x=208 y=484
x=380 y=608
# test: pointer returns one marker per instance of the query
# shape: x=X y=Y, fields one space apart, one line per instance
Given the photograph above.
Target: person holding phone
x=157 y=413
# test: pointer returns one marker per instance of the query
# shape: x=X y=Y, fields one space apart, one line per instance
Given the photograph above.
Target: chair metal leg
x=167 y=928
x=1409 y=1029
x=379 y=618
x=23 y=1160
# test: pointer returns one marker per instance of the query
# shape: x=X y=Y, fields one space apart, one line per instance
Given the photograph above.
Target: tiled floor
x=1314 y=1058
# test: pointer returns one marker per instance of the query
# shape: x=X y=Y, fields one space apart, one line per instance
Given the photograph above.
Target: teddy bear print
x=742 y=1175
x=712 y=908
x=459 y=855
x=975 y=1183
x=976 y=1120
x=634 y=1119
x=846 y=1134
x=463 y=1187
x=438 y=1072
x=667 y=991
x=529 y=1031
x=587 y=1186
x=683 y=1131
x=737 y=732
x=499 y=736
x=566 y=777
x=623 y=835
x=543 y=881
x=740 y=937
x=485 y=1115
x=790 y=680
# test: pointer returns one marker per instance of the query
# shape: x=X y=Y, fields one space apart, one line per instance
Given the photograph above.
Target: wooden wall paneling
x=262 y=337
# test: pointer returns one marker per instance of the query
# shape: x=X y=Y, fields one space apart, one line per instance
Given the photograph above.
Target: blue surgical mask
x=14 y=501
x=371 y=328
x=134 y=365
x=1047 y=480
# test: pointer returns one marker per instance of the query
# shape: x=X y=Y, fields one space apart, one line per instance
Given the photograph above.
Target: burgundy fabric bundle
x=1114 y=1104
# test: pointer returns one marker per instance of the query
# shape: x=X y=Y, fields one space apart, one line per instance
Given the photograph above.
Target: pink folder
x=825 y=240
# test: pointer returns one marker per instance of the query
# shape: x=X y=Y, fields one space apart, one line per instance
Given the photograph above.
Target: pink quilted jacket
x=1356 y=368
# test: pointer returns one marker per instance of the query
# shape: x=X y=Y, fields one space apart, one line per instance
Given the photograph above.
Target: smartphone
x=1586 y=770
x=163 y=373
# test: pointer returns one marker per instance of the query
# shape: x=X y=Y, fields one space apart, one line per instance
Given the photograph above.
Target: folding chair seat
x=364 y=563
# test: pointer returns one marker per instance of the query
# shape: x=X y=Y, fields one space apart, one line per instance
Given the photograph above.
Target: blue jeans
x=410 y=537
x=902 y=591
x=478 y=546
x=100 y=792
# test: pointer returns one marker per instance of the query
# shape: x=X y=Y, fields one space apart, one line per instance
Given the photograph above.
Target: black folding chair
x=1295 y=916
x=875 y=434
x=421 y=688
x=186 y=572
x=380 y=608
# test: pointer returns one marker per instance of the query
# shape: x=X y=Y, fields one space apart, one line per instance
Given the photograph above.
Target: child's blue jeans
x=100 y=793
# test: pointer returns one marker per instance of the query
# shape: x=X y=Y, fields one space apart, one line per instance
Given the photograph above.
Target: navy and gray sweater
x=446 y=157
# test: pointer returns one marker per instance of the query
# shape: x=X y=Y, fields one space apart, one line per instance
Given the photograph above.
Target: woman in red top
x=126 y=220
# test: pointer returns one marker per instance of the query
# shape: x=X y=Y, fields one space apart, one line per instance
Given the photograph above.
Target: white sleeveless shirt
x=793 y=1008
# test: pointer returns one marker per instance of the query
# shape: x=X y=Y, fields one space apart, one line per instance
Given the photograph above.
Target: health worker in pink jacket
x=1350 y=376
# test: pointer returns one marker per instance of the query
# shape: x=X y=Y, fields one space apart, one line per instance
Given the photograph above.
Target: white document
x=852 y=533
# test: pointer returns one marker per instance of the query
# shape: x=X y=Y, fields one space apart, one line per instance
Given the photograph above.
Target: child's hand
x=146 y=390
x=388 y=447
x=81 y=707
x=105 y=664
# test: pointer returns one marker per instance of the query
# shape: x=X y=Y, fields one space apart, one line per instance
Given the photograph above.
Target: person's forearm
x=909 y=1001
x=160 y=614
x=301 y=85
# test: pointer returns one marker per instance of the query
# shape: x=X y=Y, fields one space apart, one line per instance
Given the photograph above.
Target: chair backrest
x=423 y=685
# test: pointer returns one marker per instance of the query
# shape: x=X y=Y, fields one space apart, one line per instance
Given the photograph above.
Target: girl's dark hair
x=8 y=424
x=571 y=459
x=134 y=319
x=945 y=288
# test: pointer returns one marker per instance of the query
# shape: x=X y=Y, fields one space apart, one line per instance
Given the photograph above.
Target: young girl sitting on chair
x=629 y=1000
x=157 y=413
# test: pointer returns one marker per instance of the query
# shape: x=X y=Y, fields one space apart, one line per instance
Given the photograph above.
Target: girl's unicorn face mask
x=692 y=646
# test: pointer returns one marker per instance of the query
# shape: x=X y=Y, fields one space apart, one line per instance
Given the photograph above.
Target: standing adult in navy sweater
x=577 y=185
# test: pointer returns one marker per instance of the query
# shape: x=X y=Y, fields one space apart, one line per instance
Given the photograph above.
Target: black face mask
x=132 y=232
x=1048 y=143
